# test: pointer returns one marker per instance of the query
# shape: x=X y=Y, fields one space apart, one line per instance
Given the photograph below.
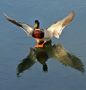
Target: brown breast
x=38 y=34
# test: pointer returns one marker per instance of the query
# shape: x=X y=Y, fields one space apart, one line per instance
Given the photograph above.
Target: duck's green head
x=36 y=24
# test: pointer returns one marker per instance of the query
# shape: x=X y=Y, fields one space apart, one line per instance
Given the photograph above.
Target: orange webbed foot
x=39 y=46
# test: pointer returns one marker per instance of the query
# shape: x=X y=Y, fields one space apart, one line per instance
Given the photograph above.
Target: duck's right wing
x=27 y=28
x=27 y=62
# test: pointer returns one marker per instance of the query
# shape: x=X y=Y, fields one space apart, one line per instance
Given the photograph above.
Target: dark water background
x=15 y=45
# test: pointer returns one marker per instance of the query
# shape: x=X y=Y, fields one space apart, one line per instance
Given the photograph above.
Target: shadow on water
x=56 y=51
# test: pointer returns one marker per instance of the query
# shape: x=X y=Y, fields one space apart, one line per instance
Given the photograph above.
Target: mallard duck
x=42 y=36
x=57 y=52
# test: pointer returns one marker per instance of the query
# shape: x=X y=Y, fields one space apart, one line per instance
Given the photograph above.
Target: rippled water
x=15 y=47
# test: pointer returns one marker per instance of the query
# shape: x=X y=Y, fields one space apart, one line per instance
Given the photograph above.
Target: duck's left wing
x=55 y=29
x=66 y=58
x=27 y=28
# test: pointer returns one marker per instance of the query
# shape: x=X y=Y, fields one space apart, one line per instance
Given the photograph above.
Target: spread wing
x=66 y=58
x=55 y=29
x=28 y=29
x=27 y=62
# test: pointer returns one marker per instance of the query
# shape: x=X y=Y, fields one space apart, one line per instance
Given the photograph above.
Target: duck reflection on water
x=41 y=55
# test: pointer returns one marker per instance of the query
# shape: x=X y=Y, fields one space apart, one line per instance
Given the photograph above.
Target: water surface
x=15 y=45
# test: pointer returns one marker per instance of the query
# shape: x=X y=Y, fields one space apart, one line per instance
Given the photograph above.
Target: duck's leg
x=40 y=45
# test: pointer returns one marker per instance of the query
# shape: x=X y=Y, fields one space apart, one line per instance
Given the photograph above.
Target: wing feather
x=27 y=28
x=66 y=58
x=55 y=29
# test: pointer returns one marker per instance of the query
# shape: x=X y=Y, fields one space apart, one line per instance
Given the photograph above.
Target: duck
x=38 y=34
x=55 y=51
x=41 y=36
